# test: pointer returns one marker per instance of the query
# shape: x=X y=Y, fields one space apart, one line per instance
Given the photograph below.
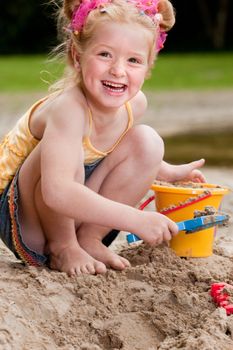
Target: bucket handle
x=168 y=211
x=144 y=204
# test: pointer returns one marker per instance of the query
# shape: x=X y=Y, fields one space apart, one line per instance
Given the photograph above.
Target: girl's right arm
x=62 y=178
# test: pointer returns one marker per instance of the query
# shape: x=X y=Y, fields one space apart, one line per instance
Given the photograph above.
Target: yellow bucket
x=198 y=244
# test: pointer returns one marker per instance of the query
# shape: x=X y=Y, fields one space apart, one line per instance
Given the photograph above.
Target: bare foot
x=75 y=261
x=97 y=250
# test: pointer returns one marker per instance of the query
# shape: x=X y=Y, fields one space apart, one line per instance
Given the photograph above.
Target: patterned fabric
x=10 y=229
x=15 y=147
x=23 y=254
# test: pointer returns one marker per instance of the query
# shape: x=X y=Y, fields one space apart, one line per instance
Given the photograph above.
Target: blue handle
x=131 y=238
x=202 y=223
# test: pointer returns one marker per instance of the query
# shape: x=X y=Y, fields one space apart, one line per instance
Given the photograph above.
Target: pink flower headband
x=145 y=7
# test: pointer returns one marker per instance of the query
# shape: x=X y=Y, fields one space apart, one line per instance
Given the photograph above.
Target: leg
x=124 y=176
x=45 y=231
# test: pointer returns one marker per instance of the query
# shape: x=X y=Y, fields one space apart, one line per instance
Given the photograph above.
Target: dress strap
x=129 y=125
x=89 y=120
x=130 y=114
x=87 y=137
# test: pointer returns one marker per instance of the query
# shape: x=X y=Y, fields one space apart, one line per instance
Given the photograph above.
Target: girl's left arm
x=169 y=172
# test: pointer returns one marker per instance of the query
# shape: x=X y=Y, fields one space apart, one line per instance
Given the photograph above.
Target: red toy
x=221 y=297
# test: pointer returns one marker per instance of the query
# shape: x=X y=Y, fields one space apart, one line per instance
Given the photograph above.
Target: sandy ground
x=161 y=303
x=169 y=113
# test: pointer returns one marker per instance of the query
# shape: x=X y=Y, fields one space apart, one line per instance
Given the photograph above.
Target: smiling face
x=114 y=63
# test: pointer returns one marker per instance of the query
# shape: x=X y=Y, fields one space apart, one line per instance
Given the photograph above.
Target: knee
x=146 y=145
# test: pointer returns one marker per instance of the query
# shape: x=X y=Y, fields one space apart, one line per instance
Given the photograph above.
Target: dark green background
x=28 y=26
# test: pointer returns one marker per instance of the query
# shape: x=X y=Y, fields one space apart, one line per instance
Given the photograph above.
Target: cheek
x=89 y=73
x=139 y=77
x=94 y=68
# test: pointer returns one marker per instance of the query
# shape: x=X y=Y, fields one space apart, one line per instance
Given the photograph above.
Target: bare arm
x=169 y=172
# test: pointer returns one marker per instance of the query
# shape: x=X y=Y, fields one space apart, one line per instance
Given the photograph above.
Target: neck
x=101 y=114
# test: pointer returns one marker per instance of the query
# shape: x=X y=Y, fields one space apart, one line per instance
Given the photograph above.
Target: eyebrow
x=105 y=46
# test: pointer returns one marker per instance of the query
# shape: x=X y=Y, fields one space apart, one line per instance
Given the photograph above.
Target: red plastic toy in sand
x=221 y=297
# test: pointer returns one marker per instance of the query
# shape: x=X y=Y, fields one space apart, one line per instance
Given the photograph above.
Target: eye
x=134 y=60
x=104 y=54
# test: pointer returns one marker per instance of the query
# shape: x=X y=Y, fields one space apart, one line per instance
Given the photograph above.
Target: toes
x=93 y=268
x=84 y=270
x=74 y=272
x=100 y=268
x=117 y=263
x=90 y=269
x=125 y=261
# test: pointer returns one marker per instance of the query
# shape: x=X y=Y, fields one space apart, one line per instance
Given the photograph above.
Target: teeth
x=114 y=85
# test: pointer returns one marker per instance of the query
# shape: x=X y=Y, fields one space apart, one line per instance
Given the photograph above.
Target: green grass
x=192 y=71
x=27 y=73
x=215 y=147
x=171 y=72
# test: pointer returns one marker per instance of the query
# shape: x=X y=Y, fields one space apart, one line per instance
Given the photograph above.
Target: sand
x=162 y=302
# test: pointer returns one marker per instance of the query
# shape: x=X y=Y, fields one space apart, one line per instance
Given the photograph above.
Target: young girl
x=77 y=163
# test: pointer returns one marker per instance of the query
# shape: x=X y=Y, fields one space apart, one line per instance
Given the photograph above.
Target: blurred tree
x=202 y=25
x=215 y=24
x=26 y=26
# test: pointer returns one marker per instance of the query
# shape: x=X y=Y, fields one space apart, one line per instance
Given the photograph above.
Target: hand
x=183 y=172
x=154 y=228
x=191 y=172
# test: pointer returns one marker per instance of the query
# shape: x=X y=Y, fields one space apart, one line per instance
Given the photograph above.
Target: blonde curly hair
x=119 y=11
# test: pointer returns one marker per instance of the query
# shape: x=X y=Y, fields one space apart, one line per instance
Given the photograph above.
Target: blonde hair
x=119 y=11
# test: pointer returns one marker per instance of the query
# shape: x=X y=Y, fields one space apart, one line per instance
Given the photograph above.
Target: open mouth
x=114 y=87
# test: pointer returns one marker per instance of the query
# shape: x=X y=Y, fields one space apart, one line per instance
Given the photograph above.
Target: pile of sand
x=161 y=302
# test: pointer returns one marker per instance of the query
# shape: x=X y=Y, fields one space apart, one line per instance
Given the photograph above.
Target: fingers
x=173 y=228
x=158 y=228
x=197 y=163
x=197 y=176
x=167 y=230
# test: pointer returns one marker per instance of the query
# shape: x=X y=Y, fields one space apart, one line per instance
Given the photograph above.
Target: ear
x=75 y=57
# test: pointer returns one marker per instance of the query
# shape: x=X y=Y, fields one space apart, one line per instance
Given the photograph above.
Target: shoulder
x=68 y=108
x=138 y=105
x=65 y=111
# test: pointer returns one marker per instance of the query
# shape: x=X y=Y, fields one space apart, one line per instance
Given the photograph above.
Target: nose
x=117 y=69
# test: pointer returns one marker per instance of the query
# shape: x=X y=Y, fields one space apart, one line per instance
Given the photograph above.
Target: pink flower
x=81 y=12
x=149 y=7
x=161 y=40
x=145 y=7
